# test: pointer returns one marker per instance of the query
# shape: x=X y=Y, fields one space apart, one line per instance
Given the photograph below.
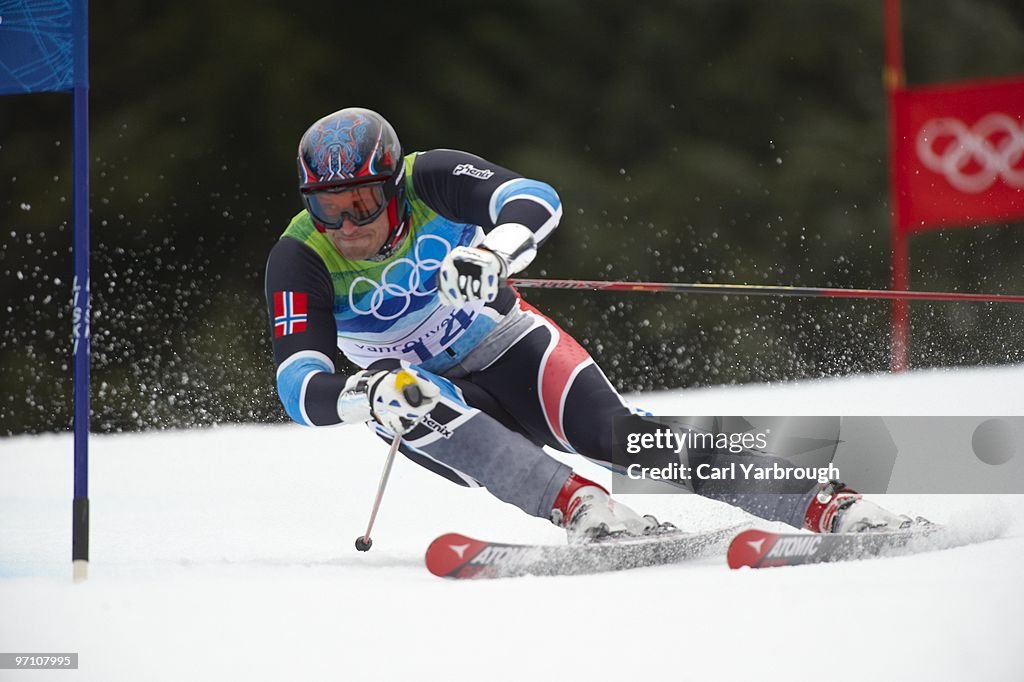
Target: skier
x=400 y=261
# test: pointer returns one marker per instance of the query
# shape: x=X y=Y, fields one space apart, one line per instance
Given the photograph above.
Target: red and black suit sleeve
x=466 y=188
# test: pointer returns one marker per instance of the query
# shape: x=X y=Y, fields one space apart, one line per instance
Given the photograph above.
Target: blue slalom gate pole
x=80 y=289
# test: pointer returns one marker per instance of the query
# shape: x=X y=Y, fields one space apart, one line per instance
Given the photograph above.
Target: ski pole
x=761 y=290
x=364 y=542
x=405 y=382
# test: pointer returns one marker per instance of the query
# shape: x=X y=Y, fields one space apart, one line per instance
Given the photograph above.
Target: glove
x=398 y=400
x=477 y=273
x=469 y=274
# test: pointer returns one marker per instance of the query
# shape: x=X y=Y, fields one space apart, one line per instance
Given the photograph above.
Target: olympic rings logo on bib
x=976 y=157
x=401 y=281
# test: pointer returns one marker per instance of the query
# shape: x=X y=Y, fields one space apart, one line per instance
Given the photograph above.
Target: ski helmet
x=354 y=148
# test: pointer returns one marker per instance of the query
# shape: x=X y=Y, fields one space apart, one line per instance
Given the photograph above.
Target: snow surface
x=226 y=554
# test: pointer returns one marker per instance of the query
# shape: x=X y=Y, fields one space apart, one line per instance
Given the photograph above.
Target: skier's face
x=360 y=242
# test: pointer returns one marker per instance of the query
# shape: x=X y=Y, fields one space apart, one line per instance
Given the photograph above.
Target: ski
x=764 y=549
x=461 y=557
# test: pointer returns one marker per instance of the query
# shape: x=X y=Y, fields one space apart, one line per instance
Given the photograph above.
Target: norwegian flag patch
x=289 y=312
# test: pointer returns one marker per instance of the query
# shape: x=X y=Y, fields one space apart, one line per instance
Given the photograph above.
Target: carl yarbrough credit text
x=674 y=471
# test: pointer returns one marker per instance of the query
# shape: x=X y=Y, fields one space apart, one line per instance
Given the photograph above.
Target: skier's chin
x=355 y=249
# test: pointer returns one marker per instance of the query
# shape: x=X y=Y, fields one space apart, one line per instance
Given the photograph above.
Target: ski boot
x=589 y=514
x=837 y=509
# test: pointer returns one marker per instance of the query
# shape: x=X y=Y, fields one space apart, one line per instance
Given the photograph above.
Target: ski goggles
x=361 y=205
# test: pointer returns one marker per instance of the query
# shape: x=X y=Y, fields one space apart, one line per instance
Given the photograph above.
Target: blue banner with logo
x=44 y=47
x=36 y=46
